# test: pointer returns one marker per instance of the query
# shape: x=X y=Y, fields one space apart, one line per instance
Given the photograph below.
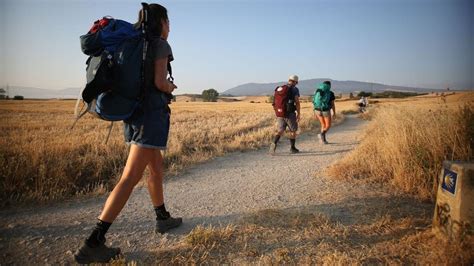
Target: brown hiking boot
x=100 y=254
x=164 y=225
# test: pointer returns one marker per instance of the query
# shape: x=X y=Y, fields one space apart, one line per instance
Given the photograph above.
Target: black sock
x=323 y=134
x=276 y=139
x=161 y=213
x=292 y=141
x=97 y=236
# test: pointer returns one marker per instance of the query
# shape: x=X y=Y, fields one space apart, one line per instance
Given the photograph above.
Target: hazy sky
x=221 y=44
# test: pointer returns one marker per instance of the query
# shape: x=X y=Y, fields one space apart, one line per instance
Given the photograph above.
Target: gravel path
x=216 y=192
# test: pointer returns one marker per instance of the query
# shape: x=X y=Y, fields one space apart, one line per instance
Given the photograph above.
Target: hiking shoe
x=164 y=225
x=101 y=254
x=294 y=150
x=320 y=137
x=324 y=139
x=273 y=147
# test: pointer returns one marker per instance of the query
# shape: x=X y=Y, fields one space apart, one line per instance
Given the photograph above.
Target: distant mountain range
x=36 y=93
x=308 y=86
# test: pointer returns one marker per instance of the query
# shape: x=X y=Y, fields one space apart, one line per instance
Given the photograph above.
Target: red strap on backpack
x=99 y=24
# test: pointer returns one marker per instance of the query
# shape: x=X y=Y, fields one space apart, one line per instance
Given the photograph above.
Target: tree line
x=4 y=95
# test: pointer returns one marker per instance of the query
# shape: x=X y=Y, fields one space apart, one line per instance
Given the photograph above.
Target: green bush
x=210 y=95
x=364 y=94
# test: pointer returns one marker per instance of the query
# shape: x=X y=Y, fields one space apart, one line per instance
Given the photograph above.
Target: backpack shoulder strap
x=144 y=29
x=291 y=94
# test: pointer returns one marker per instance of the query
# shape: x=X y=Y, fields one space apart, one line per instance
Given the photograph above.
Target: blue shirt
x=294 y=92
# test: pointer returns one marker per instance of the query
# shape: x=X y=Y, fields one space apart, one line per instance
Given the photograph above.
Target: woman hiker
x=147 y=133
x=323 y=103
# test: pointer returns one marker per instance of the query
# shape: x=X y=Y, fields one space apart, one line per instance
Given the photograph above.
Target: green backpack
x=322 y=97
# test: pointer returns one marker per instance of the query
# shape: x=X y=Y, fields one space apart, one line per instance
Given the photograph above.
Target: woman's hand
x=171 y=87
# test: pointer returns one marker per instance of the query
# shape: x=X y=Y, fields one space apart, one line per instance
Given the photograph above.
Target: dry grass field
x=274 y=237
x=408 y=140
x=42 y=159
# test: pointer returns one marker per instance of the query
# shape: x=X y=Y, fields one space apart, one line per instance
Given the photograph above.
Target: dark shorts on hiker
x=289 y=121
x=149 y=125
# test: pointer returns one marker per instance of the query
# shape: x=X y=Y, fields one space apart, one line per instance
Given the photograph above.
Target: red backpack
x=280 y=100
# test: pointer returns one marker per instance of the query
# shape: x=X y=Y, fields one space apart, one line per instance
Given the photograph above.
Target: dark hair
x=156 y=13
x=327 y=82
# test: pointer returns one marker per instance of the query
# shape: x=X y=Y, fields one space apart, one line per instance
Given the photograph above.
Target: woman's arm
x=333 y=107
x=161 y=72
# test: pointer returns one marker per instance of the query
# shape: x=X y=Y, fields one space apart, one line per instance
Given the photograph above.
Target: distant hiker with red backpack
x=286 y=103
x=323 y=103
x=146 y=130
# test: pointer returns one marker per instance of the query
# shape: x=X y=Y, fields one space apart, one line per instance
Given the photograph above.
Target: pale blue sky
x=221 y=44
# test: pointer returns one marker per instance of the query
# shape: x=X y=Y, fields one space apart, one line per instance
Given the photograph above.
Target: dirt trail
x=216 y=192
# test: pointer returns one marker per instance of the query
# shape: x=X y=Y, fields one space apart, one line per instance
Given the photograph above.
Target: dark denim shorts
x=150 y=124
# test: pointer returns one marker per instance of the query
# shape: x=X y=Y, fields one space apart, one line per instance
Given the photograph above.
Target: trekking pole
x=79 y=113
x=110 y=130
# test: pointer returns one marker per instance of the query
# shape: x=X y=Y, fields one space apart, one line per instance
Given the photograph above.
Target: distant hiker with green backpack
x=286 y=103
x=323 y=103
x=146 y=121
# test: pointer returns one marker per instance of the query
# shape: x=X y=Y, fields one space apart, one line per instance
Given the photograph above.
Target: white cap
x=293 y=77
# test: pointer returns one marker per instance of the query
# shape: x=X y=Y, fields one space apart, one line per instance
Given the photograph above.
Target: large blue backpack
x=115 y=69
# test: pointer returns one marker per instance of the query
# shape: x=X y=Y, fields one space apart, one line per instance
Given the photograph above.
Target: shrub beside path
x=216 y=193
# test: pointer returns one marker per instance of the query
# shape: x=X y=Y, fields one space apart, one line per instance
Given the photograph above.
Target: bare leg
x=322 y=122
x=137 y=160
x=164 y=220
x=155 y=179
x=292 y=135
x=327 y=123
x=94 y=249
x=275 y=140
